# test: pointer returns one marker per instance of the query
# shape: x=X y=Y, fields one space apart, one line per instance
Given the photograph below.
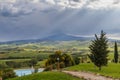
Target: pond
x=22 y=72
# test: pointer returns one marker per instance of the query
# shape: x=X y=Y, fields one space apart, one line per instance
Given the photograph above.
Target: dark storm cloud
x=31 y=19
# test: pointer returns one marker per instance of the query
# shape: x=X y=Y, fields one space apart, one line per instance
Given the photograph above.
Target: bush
x=33 y=62
x=77 y=60
x=7 y=73
x=48 y=68
x=88 y=61
x=14 y=64
x=2 y=66
x=62 y=65
x=36 y=70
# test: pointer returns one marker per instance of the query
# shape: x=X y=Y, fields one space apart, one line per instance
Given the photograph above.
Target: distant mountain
x=56 y=37
x=65 y=37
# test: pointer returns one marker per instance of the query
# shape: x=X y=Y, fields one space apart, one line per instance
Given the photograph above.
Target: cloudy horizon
x=36 y=19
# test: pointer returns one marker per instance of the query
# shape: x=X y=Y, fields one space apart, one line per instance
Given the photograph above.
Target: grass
x=112 y=70
x=47 y=76
x=41 y=63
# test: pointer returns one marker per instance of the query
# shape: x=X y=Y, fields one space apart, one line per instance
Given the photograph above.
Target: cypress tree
x=115 y=53
x=99 y=50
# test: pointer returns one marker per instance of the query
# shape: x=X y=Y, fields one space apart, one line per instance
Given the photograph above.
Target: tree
x=33 y=62
x=63 y=60
x=68 y=60
x=99 y=50
x=115 y=53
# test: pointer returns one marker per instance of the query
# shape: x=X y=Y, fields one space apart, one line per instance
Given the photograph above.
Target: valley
x=20 y=56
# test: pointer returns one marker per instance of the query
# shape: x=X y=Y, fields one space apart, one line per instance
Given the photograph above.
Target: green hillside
x=111 y=70
x=47 y=76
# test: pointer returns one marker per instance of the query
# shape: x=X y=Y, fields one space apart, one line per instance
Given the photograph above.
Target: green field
x=112 y=70
x=47 y=76
x=30 y=50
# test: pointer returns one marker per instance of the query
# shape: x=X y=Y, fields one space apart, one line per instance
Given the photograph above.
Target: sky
x=37 y=19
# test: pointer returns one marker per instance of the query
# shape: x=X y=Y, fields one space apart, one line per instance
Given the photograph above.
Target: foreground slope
x=47 y=76
x=111 y=70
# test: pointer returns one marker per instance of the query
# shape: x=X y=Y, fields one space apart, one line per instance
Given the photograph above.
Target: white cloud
x=9 y=1
x=104 y=4
x=14 y=7
x=35 y=1
x=114 y=36
x=50 y=2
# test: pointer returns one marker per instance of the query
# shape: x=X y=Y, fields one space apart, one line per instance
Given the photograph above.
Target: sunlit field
x=112 y=70
x=47 y=76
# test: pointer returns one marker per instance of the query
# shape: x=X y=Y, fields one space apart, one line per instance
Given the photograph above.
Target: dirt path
x=87 y=75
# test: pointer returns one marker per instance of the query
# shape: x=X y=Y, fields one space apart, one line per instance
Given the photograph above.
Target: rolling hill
x=56 y=37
